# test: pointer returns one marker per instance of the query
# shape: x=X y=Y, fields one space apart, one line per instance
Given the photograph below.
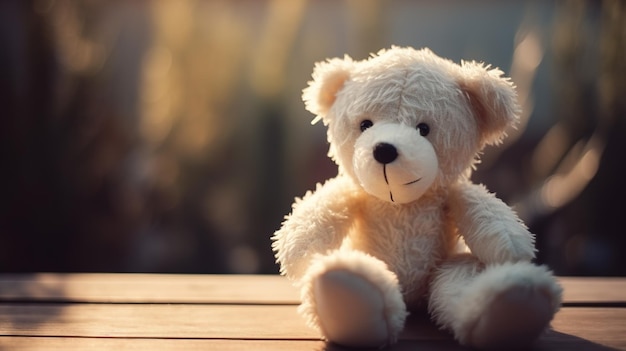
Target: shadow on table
x=406 y=345
x=551 y=341
x=554 y=340
x=27 y=302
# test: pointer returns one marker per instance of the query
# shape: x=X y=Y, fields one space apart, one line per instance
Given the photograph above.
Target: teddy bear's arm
x=490 y=228
x=318 y=223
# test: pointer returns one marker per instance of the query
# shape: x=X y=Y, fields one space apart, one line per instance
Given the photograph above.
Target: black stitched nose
x=385 y=153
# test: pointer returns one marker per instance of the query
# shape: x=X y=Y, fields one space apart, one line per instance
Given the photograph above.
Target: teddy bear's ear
x=493 y=99
x=328 y=78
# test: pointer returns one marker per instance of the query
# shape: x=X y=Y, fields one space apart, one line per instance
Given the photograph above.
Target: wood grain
x=107 y=344
x=148 y=288
x=605 y=326
x=555 y=341
x=153 y=321
x=123 y=344
x=594 y=290
x=193 y=312
x=242 y=289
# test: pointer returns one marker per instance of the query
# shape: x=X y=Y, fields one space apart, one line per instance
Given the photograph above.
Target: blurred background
x=170 y=136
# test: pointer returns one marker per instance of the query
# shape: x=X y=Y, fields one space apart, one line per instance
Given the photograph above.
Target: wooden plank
x=174 y=321
x=573 y=328
x=590 y=290
x=552 y=340
x=153 y=321
x=155 y=311
x=605 y=326
x=556 y=341
x=148 y=288
x=123 y=344
x=245 y=289
x=107 y=344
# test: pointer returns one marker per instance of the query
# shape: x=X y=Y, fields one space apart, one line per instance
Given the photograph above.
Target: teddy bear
x=402 y=228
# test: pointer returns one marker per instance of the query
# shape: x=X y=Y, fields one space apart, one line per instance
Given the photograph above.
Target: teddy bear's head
x=406 y=121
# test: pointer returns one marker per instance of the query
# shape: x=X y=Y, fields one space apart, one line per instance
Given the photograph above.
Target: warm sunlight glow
x=562 y=188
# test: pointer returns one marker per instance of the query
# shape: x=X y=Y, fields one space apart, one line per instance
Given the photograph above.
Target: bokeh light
x=170 y=136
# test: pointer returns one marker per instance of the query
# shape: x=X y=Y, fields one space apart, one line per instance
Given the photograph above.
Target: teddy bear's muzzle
x=394 y=162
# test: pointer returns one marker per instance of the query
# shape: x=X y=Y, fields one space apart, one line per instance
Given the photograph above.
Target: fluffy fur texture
x=405 y=128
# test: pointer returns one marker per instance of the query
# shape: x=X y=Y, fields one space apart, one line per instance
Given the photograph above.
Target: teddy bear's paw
x=515 y=315
x=353 y=299
x=351 y=310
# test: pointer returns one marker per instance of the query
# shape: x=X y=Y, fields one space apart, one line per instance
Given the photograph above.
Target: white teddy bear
x=386 y=235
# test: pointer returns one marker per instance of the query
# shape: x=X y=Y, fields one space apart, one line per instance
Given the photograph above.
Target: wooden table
x=212 y=312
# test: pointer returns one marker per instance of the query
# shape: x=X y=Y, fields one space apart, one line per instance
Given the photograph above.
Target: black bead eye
x=423 y=128
x=366 y=123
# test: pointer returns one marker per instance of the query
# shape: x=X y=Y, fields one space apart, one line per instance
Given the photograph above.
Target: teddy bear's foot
x=350 y=309
x=499 y=307
x=515 y=317
x=354 y=300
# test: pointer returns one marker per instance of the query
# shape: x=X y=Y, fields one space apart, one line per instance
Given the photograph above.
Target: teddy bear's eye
x=366 y=123
x=423 y=128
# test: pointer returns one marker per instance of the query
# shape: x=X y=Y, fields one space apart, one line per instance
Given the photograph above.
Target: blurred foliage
x=169 y=136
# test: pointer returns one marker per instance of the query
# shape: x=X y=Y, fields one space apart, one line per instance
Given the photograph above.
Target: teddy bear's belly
x=411 y=252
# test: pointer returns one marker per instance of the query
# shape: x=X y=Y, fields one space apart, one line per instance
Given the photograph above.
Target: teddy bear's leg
x=494 y=307
x=353 y=299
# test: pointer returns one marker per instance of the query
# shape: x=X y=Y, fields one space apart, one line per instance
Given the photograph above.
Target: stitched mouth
x=385 y=174
x=387 y=179
x=413 y=182
x=387 y=182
